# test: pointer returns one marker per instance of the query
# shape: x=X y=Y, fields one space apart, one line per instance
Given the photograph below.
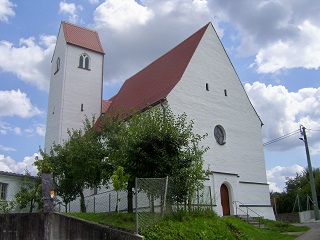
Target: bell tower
x=75 y=83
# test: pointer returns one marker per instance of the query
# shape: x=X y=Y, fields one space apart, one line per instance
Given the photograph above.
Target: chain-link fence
x=156 y=197
x=290 y=203
x=153 y=199
x=96 y=200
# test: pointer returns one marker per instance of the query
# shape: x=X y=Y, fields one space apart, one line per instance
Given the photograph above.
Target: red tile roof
x=105 y=105
x=82 y=37
x=155 y=82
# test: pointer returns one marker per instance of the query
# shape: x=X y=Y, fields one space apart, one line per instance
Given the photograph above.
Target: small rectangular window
x=225 y=92
x=81 y=107
x=3 y=191
x=207 y=86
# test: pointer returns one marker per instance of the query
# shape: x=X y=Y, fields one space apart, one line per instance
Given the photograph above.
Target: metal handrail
x=247 y=212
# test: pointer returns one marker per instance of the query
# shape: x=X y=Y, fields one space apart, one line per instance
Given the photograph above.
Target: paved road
x=313 y=233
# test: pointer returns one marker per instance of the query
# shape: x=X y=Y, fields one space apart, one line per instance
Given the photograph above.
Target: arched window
x=84 y=61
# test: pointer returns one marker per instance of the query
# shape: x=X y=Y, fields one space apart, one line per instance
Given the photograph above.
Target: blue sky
x=274 y=46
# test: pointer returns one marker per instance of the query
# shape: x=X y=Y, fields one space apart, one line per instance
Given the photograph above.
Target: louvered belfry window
x=84 y=61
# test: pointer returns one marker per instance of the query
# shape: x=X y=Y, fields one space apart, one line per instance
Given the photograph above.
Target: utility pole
x=313 y=187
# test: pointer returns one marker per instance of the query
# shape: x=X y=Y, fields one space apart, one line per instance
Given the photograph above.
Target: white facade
x=75 y=93
x=211 y=94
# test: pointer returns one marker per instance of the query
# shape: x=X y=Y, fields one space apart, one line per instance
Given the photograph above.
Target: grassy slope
x=123 y=220
x=198 y=226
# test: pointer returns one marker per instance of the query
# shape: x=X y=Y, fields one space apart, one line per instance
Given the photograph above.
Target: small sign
x=52 y=194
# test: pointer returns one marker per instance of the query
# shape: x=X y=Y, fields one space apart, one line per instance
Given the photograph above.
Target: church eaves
x=82 y=37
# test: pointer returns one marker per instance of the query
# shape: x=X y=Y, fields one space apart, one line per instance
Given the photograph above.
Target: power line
x=282 y=137
x=313 y=130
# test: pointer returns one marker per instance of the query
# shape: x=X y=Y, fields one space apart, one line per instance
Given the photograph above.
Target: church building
x=196 y=77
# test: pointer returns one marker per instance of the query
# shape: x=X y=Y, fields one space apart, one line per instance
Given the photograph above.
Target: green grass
x=199 y=225
x=206 y=225
x=279 y=226
x=123 y=220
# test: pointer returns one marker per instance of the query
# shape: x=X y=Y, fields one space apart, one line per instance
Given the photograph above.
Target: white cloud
x=17 y=130
x=29 y=61
x=72 y=10
x=200 y=5
x=133 y=35
x=29 y=131
x=41 y=130
x=277 y=176
x=122 y=15
x=7 y=149
x=94 y=1
x=36 y=129
x=303 y=52
x=280 y=34
x=16 y=103
x=6 y=10
x=7 y=164
x=283 y=112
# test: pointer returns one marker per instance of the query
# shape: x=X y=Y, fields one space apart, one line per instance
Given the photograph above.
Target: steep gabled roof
x=82 y=37
x=153 y=83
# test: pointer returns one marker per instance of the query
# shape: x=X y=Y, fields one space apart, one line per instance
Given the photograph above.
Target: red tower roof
x=82 y=37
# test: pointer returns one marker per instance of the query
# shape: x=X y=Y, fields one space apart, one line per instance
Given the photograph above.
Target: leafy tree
x=156 y=144
x=108 y=131
x=77 y=163
x=119 y=182
x=30 y=193
x=6 y=206
x=297 y=187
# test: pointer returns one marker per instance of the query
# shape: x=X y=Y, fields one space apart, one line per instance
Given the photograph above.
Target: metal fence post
x=165 y=196
x=211 y=203
x=136 y=200
x=94 y=204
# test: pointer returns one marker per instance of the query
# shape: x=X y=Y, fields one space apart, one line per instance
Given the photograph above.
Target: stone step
x=254 y=221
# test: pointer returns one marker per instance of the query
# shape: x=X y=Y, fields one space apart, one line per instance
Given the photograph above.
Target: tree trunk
x=82 y=203
x=117 y=202
x=31 y=206
x=130 y=198
x=189 y=203
x=152 y=203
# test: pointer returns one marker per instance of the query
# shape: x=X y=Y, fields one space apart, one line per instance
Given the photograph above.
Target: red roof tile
x=105 y=105
x=155 y=82
x=82 y=37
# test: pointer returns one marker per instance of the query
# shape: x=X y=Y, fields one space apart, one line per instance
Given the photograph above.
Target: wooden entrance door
x=224 y=195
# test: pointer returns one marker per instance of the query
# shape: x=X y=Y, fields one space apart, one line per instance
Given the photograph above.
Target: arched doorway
x=225 y=203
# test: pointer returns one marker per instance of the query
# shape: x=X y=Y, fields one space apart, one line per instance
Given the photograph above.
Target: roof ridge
x=176 y=46
x=82 y=37
x=77 y=26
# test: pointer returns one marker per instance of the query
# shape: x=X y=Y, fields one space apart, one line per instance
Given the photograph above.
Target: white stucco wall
x=242 y=154
x=55 y=93
x=13 y=187
x=70 y=87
